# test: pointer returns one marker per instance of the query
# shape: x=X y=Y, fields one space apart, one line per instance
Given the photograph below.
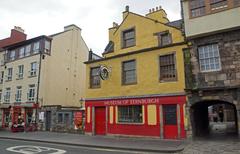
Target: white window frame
x=21 y=52
x=31 y=93
x=9 y=74
x=1 y=95
x=28 y=50
x=209 y=57
x=12 y=54
x=36 y=47
x=33 y=71
x=7 y=95
x=19 y=94
x=20 y=71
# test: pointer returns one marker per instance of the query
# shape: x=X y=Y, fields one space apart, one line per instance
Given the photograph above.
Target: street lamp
x=81 y=102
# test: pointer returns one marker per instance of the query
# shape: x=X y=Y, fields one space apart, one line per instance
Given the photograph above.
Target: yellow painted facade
x=147 y=63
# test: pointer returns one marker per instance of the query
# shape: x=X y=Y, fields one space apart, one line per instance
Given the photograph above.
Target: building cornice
x=136 y=52
x=135 y=96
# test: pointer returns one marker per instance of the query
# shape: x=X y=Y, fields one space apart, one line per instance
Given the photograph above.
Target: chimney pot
x=157 y=8
x=153 y=10
x=19 y=29
x=127 y=8
x=115 y=24
x=150 y=10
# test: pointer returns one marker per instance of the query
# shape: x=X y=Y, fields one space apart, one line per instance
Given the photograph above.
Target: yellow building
x=137 y=88
x=46 y=72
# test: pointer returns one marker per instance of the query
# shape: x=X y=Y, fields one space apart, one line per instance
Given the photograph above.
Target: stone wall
x=229 y=50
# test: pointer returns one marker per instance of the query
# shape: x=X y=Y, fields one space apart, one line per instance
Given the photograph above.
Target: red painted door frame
x=170 y=124
x=100 y=120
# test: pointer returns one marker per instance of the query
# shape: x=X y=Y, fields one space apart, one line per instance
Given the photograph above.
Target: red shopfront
x=25 y=111
x=149 y=116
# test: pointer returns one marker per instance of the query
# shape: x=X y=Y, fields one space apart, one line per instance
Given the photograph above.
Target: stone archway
x=201 y=120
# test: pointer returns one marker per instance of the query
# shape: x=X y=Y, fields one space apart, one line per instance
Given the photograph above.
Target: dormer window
x=12 y=55
x=36 y=47
x=164 y=38
x=21 y=52
x=128 y=38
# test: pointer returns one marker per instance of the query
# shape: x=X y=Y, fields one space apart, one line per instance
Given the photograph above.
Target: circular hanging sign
x=104 y=73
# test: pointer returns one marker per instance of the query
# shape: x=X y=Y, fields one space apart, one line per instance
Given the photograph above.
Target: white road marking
x=30 y=149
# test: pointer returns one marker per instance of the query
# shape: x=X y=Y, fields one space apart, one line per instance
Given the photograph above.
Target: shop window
x=20 y=71
x=64 y=118
x=95 y=78
x=31 y=93
x=60 y=118
x=129 y=72
x=128 y=38
x=209 y=58
x=29 y=117
x=170 y=114
x=7 y=118
x=9 y=74
x=164 y=38
x=168 y=70
x=28 y=50
x=197 y=8
x=130 y=114
x=218 y=4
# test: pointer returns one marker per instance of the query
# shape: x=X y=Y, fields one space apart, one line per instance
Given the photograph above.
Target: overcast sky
x=94 y=17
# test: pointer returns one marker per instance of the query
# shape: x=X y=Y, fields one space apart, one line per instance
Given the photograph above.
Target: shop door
x=100 y=121
x=48 y=120
x=170 y=121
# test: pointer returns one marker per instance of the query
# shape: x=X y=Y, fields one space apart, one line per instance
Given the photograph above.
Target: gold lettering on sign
x=132 y=101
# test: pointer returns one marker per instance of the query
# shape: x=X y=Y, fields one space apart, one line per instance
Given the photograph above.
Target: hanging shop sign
x=104 y=72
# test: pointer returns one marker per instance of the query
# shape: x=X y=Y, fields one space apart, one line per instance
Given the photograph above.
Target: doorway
x=100 y=120
x=48 y=120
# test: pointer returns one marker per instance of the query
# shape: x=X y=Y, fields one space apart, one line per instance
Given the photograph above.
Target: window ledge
x=127 y=84
x=128 y=46
x=129 y=123
x=19 y=78
x=32 y=76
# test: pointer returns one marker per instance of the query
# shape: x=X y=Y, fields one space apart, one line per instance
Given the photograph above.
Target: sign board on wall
x=78 y=119
x=41 y=116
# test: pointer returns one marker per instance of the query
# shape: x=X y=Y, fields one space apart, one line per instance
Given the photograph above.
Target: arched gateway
x=213 y=118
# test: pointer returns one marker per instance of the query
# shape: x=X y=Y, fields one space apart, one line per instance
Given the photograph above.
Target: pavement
x=106 y=142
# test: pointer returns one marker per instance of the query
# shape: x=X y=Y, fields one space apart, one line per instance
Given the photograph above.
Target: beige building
x=46 y=72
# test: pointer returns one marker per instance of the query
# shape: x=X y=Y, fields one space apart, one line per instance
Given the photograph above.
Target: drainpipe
x=38 y=83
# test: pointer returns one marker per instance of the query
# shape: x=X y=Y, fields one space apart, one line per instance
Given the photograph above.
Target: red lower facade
x=19 y=117
x=161 y=116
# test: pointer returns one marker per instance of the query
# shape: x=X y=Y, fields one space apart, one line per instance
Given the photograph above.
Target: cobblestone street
x=213 y=146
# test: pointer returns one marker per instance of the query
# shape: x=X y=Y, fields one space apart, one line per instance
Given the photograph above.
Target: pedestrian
x=220 y=113
x=215 y=116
